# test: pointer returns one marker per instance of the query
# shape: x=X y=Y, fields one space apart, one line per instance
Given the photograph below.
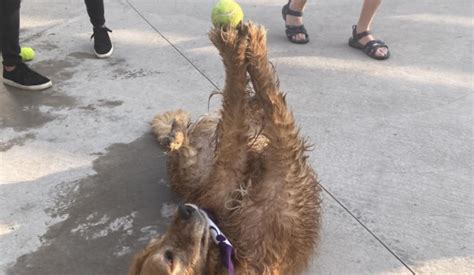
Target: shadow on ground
x=108 y=216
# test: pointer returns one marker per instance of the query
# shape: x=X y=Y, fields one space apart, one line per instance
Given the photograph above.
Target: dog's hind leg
x=232 y=131
x=170 y=129
x=285 y=146
x=288 y=185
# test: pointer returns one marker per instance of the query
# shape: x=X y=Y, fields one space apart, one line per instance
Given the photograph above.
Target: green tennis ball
x=27 y=53
x=226 y=12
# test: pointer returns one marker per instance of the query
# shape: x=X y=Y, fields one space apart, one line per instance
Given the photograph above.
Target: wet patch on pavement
x=46 y=46
x=122 y=73
x=108 y=216
x=102 y=103
x=58 y=70
x=110 y=103
x=83 y=55
x=18 y=141
x=21 y=110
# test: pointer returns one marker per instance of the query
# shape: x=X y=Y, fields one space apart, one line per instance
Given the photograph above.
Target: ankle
x=297 y=5
x=298 y=20
x=9 y=68
x=361 y=29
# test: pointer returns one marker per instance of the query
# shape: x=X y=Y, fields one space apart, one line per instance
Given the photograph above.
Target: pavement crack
x=172 y=45
x=368 y=230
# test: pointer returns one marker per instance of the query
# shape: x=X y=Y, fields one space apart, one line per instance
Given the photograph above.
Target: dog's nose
x=185 y=211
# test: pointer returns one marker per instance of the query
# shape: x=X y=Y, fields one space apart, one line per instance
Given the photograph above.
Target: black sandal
x=371 y=47
x=291 y=30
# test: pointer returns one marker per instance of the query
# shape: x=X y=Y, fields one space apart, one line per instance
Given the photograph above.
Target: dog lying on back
x=246 y=171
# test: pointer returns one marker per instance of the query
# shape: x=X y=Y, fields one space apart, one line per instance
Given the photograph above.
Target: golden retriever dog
x=253 y=202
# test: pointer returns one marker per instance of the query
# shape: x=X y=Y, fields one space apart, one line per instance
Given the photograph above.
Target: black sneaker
x=23 y=77
x=102 y=44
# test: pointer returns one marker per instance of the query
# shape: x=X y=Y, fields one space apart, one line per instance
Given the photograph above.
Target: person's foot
x=22 y=77
x=291 y=20
x=380 y=52
x=102 y=45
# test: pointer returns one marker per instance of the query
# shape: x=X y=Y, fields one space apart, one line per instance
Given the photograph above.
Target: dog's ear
x=137 y=262
x=141 y=259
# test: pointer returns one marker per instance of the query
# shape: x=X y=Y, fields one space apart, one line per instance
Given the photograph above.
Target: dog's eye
x=169 y=257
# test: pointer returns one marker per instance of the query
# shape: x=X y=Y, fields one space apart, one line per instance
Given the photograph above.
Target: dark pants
x=10 y=31
x=95 y=9
x=10 y=27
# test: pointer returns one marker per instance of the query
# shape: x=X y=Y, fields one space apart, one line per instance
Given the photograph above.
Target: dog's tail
x=170 y=128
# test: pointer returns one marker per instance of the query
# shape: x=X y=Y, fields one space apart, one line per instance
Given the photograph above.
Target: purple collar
x=225 y=247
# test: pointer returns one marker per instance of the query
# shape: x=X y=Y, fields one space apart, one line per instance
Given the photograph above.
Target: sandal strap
x=293 y=30
x=373 y=45
x=293 y=12
x=363 y=34
x=288 y=11
x=358 y=36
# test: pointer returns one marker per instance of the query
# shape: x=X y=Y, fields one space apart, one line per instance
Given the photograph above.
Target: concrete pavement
x=82 y=181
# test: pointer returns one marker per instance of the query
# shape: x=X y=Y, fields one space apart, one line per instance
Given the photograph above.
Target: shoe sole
x=29 y=88
x=105 y=55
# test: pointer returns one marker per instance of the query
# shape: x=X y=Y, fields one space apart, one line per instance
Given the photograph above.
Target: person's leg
x=296 y=5
x=365 y=21
x=95 y=9
x=102 y=45
x=1 y=25
x=15 y=72
x=10 y=25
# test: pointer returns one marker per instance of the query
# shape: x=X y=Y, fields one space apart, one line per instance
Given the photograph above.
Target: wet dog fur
x=248 y=166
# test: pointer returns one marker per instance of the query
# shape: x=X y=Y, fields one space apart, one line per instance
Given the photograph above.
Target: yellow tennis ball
x=27 y=53
x=226 y=12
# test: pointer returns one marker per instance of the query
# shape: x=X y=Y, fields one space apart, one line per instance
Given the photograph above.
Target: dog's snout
x=186 y=211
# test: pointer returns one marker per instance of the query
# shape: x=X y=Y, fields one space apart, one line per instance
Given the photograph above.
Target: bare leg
x=296 y=5
x=365 y=21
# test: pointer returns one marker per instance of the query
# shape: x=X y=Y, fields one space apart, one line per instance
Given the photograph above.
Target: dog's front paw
x=257 y=43
x=231 y=43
